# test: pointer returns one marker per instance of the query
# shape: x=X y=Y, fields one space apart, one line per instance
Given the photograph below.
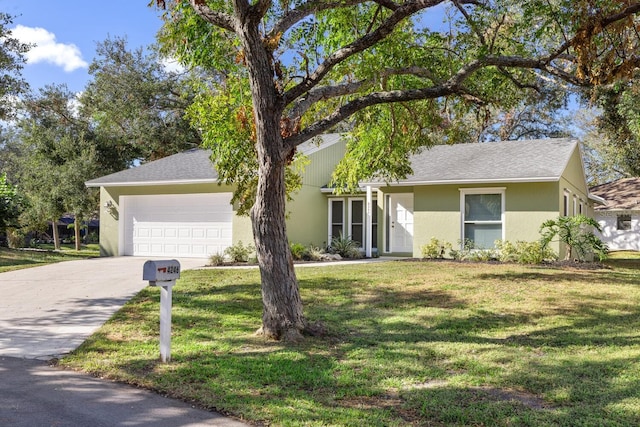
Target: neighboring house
x=619 y=216
x=482 y=192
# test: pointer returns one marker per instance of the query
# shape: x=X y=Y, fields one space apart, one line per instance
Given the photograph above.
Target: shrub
x=15 y=238
x=524 y=252
x=465 y=252
x=239 y=252
x=577 y=233
x=216 y=259
x=299 y=251
x=345 y=247
x=435 y=249
x=316 y=254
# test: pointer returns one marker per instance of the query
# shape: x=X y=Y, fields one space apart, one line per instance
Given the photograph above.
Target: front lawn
x=14 y=259
x=409 y=343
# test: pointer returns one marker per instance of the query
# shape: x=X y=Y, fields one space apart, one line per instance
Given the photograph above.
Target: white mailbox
x=161 y=271
x=163 y=274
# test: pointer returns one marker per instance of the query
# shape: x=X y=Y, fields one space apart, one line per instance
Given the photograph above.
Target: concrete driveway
x=48 y=311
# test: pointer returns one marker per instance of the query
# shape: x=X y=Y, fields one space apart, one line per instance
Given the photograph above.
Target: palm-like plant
x=577 y=233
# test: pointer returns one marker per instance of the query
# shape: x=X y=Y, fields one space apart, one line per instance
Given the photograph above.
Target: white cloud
x=172 y=65
x=46 y=49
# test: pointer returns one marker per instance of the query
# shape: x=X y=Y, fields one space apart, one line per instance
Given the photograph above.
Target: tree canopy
x=384 y=71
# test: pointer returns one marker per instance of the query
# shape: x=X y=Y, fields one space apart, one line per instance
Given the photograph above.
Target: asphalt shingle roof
x=192 y=165
x=535 y=160
x=485 y=162
x=189 y=166
x=623 y=194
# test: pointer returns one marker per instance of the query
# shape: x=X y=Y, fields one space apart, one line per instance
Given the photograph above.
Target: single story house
x=482 y=192
x=619 y=216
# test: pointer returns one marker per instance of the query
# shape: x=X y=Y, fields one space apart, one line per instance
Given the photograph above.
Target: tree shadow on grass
x=336 y=376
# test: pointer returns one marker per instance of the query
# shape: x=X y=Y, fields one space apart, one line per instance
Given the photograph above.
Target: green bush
x=239 y=252
x=216 y=259
x=299 y=251
x=524 y=252
x=345 y=247
x=315 y=253
x=577 y=233
x=15 y=238
x=435 y=249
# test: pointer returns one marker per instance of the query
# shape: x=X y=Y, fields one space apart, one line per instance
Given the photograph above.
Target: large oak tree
x=384 y=70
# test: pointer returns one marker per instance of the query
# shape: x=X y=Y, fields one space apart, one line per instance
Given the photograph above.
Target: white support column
x=368 y=222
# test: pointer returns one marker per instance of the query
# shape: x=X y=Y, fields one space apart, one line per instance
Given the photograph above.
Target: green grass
x=15 y=259
x=409 y=343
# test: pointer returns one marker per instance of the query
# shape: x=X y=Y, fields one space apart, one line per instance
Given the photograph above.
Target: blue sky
x=66 y=32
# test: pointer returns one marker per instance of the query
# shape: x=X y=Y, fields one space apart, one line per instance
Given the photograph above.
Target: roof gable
x=506 y=161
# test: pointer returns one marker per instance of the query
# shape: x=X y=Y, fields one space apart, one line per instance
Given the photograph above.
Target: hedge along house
x=619 y=215
x=480 y=192
x=175 y=207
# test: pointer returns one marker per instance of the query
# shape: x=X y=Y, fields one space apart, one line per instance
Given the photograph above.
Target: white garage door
x=176 y=225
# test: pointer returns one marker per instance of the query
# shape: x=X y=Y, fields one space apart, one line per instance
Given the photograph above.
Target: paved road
x=48 y=311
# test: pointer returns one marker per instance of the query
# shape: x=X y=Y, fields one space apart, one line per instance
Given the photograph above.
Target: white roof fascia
x=597 y=199
x=149 y=183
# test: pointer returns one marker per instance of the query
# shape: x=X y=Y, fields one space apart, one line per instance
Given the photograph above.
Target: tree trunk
x=56 y=237
x=282 y=316
x=76 y=225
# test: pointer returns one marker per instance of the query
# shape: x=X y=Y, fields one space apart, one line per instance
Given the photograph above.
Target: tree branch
x=214 y=17
x=296 y=15
x=452 y=86
x=361 y=44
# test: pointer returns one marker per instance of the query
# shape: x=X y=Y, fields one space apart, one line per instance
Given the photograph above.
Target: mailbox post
x=163 y=274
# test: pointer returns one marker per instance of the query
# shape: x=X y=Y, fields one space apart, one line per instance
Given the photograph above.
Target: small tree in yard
x=577 y=233
x=289 y=71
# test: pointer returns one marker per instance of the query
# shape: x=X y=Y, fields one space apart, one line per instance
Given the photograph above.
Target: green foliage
x=315 y=253
x=216 y=259
x=577 y=233
x=12 y=59
x=226 y=121
x=11 y=204
x=137 y=107
x=239 y=252
x=345 y=247
x=16 y=238
x=524 y=252
x=299 y=251
x=435 y=249
x=60 y=153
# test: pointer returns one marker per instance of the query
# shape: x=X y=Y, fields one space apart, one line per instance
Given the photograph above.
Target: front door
x=401 y=222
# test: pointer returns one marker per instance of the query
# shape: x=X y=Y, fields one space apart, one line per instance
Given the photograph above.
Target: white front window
x=482 y=211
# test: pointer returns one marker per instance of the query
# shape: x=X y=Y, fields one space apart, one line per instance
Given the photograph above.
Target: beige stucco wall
x=437 y=210
x=307 y=219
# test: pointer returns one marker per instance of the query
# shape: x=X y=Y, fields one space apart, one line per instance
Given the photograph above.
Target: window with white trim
x=566 y=204
x=482 y=216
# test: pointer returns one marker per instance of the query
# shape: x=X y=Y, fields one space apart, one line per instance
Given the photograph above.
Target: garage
x=176 y=225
